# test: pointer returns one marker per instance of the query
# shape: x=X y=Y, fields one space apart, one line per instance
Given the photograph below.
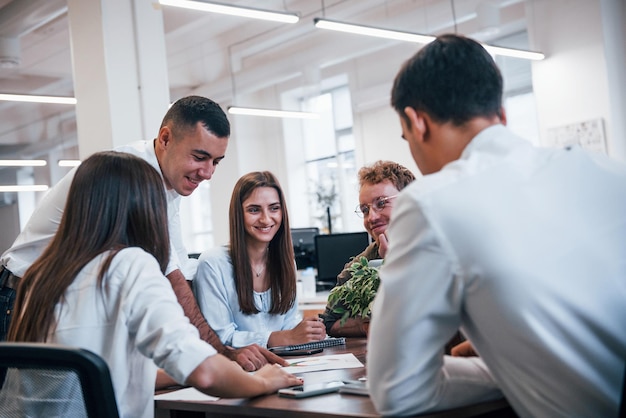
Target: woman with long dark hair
x=247 y=290
x=100 y=285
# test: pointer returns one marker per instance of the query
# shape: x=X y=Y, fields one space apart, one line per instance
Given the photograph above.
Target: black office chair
x=54 y=380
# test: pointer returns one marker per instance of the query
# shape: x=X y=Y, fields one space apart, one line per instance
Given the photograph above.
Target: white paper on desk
x=186 y=394
x=318 y=363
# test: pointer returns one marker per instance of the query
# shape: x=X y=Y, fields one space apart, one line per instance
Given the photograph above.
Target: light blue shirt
x=214 y=288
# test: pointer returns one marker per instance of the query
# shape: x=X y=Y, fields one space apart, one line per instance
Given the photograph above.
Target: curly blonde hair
x=380 y=171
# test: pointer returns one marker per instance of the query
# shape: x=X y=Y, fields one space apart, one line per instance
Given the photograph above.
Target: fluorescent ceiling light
x=371 y=31
x=69 y=163
x=515 y=53
x=414 y=37
x=25 y=188
x=233 y=110
x=37 y=99
x=22 y=163
x=233 y=10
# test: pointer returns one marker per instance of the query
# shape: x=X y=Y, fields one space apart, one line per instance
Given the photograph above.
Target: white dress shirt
x=134 y=322
x=215 y=291
x=525 y=249
x=46 y=218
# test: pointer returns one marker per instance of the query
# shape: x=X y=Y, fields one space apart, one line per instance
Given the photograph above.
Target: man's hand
x=383 y=245
x=164 y=380
x=464 y=349
x=253 y=357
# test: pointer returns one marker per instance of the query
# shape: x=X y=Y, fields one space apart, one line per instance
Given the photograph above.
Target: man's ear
x=503 y=116
x=417 y=123
x=165 y=136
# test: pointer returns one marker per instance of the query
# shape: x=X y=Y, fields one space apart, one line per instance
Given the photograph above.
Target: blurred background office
x=124 y=61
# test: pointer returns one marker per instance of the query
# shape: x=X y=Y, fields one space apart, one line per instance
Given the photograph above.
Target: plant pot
x=366 y=327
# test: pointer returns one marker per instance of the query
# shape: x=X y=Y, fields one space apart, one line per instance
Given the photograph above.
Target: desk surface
x=332 y=405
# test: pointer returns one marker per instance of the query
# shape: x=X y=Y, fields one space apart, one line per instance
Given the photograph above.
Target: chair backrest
x=52 y=378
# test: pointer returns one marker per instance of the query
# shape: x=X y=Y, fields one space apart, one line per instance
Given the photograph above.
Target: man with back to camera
x=523 y=247
x=191 y=142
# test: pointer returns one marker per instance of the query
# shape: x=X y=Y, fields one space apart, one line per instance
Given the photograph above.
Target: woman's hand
x=275 y=378
x=218 y=376
x=309 y=329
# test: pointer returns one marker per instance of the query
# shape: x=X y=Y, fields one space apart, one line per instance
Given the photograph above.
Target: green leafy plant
x=354 y=298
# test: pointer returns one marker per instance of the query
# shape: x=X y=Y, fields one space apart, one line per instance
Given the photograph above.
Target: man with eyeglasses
x=379 y=184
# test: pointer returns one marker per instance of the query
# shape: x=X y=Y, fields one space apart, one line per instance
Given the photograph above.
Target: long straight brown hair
x=116 y=200
x=280 y=257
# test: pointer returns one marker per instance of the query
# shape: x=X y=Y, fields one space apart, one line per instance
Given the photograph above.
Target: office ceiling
x=202 y=49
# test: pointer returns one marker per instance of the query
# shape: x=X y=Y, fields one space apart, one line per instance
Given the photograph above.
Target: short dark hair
x=185 y=113
x=452 y=79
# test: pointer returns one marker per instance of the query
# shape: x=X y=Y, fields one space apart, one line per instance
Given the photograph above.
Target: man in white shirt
x=191 y=142
x=524 y=248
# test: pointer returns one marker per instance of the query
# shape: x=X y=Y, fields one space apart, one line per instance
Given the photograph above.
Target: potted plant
x=354 y=298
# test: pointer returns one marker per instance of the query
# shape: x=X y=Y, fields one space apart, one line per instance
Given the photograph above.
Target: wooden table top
x=332 y=405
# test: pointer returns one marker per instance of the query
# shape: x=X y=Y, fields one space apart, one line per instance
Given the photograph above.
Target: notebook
x=328 y=342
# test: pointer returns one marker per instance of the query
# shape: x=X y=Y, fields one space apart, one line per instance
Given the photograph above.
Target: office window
x=330 y=161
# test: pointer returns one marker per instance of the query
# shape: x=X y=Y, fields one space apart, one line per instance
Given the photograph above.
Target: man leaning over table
x=191 y=142
x=523 y=247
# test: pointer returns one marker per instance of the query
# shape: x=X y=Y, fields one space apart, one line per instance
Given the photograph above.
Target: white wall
x=614 y=26
x=572 y=84
x=376 y=124
x=381 y=136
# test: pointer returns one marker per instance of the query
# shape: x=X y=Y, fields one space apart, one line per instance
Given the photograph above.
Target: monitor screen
x=333 y=251
x=304 y=246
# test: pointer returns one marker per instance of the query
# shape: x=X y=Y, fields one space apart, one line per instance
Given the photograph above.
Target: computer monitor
x=304 y=246
x=333 y=251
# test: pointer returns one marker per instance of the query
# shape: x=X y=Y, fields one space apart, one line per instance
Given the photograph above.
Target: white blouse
x=134 y=322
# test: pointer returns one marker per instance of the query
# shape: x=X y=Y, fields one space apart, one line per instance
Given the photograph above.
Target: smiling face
x=189 y=158
x=262 y=215
x=376 y=222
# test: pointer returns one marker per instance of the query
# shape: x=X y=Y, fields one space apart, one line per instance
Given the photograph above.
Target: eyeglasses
x=377 y=204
